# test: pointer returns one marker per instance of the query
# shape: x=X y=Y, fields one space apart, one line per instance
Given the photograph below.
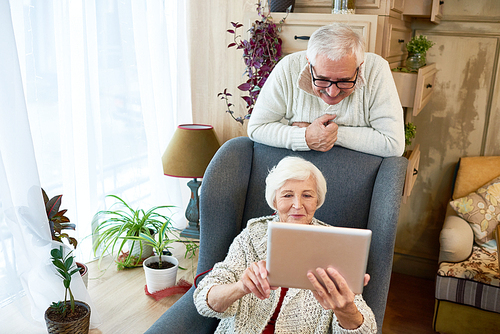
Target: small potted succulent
x=161 y=270
x=119 y=227
x=417 y=49
x=70 y=315
x=261 y=52
x=58 y=222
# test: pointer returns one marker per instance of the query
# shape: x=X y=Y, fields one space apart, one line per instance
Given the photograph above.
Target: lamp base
x=193 y=212
x=191 y=231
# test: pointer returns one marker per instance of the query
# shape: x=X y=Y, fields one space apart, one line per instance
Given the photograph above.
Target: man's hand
x=321 y=135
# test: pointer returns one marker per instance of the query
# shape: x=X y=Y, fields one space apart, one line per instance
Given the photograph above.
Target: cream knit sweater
x=300 y=312
x=370 y=119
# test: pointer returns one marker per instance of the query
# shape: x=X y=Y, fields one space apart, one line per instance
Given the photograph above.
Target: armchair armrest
x=456 y=238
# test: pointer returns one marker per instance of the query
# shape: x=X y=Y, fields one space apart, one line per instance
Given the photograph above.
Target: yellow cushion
x=474 y=172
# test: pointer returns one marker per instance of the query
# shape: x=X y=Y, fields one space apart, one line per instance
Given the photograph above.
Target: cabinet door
x=298 y=27
x=398 y=5
x=424 y=87
x=396 y=34
x=411 y=172
x=437 y=11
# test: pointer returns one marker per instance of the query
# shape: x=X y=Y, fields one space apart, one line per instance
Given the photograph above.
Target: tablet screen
x=295 y=249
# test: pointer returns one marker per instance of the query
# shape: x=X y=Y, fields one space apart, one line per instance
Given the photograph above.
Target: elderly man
x=332 y=94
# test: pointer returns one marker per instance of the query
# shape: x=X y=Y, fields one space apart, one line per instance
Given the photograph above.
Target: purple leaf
x=244 y=86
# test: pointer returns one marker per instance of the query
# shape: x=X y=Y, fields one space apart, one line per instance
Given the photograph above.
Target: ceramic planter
x=84 y=273
x=135 y=248
x=159 y=279
x=79 y=326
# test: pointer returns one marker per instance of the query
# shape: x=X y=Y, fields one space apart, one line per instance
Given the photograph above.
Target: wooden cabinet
x=415 y=89
x=298 y=27
x=396 y=33
x=431 y=9
x=392 y=8
x=413 y=157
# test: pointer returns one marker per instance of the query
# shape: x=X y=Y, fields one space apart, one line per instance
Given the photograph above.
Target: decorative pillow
x=481 y=209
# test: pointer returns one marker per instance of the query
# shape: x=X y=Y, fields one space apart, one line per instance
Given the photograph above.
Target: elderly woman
x=237 y=290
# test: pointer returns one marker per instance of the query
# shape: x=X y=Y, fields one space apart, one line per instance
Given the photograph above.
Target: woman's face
x=296 y=201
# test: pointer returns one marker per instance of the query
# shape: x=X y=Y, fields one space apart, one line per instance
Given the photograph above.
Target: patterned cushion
x=482 y=210
x=474 y=282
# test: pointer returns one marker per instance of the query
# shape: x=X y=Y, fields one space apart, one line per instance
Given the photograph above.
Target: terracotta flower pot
x=159 y=279
x=84 y=272
x=77 y=326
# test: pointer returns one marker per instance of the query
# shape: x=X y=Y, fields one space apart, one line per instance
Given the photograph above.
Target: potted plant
x=161 y=270
x=68 y=316
x=119 y=227
x=410 y=133
x=59 y=222
x=417 y=48
x=261 y=52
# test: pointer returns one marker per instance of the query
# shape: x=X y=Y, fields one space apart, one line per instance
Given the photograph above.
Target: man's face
x=344 y=69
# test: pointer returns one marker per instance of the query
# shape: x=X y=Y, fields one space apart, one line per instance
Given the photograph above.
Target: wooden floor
x=120 y=300
x=410 y=306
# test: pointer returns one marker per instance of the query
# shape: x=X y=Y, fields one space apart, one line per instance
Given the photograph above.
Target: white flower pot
x=159 y=279
x=135 y=250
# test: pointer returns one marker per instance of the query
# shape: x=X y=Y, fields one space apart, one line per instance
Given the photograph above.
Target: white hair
x=335 y=41
x=294 y=168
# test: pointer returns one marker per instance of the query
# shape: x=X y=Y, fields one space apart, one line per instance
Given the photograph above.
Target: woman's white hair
x=293 y=168
x=335 y=41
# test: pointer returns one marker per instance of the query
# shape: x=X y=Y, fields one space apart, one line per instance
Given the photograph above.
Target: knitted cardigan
x=370 y=119
x=300 y=312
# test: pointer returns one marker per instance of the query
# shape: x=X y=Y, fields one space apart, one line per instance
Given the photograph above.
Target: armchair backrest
x=364 y=191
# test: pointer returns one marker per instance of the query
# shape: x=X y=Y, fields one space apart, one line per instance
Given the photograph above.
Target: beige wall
x=214 y=67
x=462 y=119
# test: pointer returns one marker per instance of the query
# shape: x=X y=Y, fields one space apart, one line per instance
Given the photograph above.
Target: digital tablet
x=295 y=249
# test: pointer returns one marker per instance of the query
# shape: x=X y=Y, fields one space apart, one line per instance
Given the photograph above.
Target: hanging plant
x=261 y=52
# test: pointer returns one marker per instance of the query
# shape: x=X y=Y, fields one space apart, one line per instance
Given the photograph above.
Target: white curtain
x=91 y=92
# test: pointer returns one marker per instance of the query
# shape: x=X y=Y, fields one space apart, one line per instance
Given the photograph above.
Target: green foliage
x=57 y=219
x=419 y=44
x=410 y=132
x=164 y=238
x=65 y=268
x=403 y=69
x=118 y=226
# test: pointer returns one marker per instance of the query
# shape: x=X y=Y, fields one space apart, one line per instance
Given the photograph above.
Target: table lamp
x=188 y=155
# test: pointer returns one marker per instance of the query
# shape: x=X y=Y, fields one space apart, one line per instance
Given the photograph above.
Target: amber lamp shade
x=188 y=155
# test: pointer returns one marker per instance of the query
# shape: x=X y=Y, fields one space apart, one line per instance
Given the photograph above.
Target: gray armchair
x=364 y=191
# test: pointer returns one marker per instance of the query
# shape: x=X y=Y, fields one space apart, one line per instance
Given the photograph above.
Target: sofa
x=364 y=191
x=467 y=295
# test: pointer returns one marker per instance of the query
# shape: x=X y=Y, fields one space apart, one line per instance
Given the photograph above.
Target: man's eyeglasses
x=323 y=83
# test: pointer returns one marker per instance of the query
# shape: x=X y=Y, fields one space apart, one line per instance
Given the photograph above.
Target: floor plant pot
x=84 y=272
x=159 y=279
x=76 y=326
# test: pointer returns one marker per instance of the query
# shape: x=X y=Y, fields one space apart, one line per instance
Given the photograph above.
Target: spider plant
x=118 y=226
x=167 y=235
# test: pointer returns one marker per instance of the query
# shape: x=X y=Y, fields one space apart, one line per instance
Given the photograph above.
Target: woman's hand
x=336 y=295
x=254 y=280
